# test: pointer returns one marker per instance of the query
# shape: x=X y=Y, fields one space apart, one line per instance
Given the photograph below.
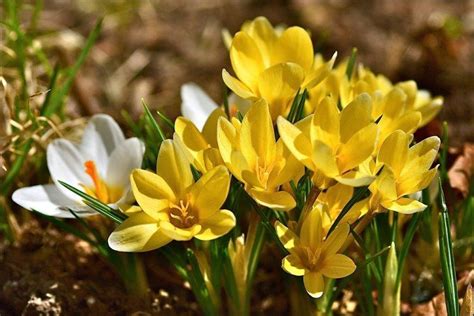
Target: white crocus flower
x=197 y=105
x=100 y=166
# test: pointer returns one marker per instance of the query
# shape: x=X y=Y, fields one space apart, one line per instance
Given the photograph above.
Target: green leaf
x=448 y=267
x=351 y=63
x=151 y=120
x=97 y=205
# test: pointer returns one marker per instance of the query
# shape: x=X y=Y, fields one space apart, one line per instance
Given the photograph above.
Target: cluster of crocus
x=291 y=117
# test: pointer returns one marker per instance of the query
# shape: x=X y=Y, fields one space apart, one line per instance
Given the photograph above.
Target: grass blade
x=97 y=205
x=155 y=126
x=446 y=256
x=351 y=63
x=58 y=95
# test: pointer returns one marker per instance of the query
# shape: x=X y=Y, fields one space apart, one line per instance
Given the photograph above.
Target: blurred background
x=148 y=49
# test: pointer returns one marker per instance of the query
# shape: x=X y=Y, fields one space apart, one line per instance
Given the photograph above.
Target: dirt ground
x=149 y=49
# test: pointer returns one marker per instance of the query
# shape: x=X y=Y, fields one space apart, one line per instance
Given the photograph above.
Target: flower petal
x=292 y=265
x=314 y=283
x=355 y=116
x=49 y=200
x=337 y=266
x=286 y=236
x=196 y=105
x=295 y=46
x=177 y=233
x=151 y=191
x=209 y=193
x=66 y=163
x=394 y=151
x=311 y=234
x=126 y=157
x=246 y=59
x=174 y=168
x=217 y=225
x=139 y=232
x=404 y=206
x=358 y=148
x=335 y=241
x=209 y=131
x=294 y=139
x=101 y=136
x=280 y=201
x=324 y=159
x=237 y=86
x=257 y=137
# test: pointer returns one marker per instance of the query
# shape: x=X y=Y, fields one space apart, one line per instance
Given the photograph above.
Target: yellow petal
x=246 y=59
x=358 y=148
x=294 y=139
x=261 y=31
x=394 y=151
x=257 y=137
x=295 y=46
x=292 y=265
x=177 y=233
x=209 y=131
x=404 y=206
x=417 y=182
x=226 y=139
x=335 y=241
x=174 y=168
x=280 y=201
x=311 y=230
x=278 y=86
x=219 y=224
x=237 y=86
x=317 y=76
x=286 y=236
x=151 y=192
x=385 y=184
x=189 y=134
x=394 y=103
x=336 y=197
x=292 y=169
x=324 y=159
x=355 y=116
x=355 y=179
x=210 y=192
x=337 y=266
x=430 y=110
x=139 y=232
x=325 y=125
x=314 y=283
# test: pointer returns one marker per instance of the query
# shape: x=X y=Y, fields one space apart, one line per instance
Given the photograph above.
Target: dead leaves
x=462 y=170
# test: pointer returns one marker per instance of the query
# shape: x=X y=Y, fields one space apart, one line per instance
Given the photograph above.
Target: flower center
x=181 y=215
x=263 y=170
x=99 y=189
x=310 y=258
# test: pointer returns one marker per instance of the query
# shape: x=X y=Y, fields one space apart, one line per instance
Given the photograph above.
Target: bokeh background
x=148 y=49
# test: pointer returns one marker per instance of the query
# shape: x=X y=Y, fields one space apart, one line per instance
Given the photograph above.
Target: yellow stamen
x=100 y=188
x=181 y=215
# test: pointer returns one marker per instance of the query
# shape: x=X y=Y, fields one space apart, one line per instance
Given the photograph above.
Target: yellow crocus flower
x=406 y=171
x=273 y=65
x=200 y=147
x=254 y=157
x=175 y=207
x=312 y=256
x=335 y=143
x=402 y=103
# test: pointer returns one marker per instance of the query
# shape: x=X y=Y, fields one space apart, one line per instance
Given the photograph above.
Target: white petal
x=196 y=104
x=66 y=163
x=126 y=157
x=49 y=200
x=101 y=136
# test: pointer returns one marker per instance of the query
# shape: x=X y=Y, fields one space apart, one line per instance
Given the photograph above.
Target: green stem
x=253 y=263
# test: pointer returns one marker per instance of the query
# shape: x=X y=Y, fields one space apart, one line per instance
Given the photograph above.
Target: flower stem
x=255 y=251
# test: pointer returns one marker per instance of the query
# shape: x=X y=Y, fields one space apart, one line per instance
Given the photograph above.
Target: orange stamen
x=101 y=191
